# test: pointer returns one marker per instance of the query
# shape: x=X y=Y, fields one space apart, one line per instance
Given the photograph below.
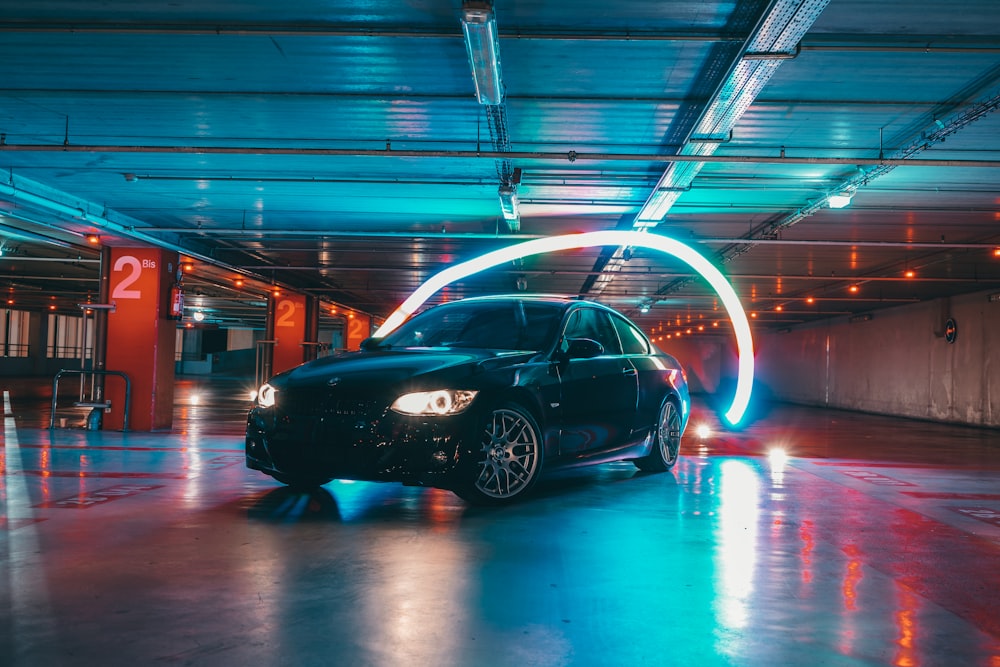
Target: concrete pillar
x=140 y=337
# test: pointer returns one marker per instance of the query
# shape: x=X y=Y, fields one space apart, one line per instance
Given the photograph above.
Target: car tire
x=509 y=459
x=301 y=482
x=666 y=440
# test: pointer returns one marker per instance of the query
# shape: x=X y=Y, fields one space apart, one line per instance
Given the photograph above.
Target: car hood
x=391 y=367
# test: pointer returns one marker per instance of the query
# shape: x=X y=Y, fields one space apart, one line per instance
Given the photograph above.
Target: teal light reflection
x=736 y=553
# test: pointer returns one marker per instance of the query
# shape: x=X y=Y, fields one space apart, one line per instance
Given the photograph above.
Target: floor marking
x=953 y=496
x=875 y=478
x=984 y=514
x=120 y=448
x=99 y=496
x=109 y=475
x=30 y=602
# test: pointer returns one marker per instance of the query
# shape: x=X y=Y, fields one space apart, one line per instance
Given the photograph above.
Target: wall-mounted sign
x=950 y=330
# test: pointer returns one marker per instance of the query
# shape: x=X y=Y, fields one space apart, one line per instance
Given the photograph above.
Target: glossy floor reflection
x=868 y=541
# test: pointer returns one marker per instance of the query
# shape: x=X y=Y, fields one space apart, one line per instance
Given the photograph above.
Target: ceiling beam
x=567 y=156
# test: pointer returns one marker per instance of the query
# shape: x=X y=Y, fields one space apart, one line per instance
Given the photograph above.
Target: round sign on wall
x=950 y=330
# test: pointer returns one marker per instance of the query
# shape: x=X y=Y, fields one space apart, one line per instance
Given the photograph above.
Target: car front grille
x=322 y=403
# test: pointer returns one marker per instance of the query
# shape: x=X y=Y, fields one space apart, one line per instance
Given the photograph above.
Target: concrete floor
x=875 y=542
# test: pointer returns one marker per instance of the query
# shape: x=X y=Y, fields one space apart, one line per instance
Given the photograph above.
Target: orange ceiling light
x=909 y=273
x=810 y=299
x=853 y=289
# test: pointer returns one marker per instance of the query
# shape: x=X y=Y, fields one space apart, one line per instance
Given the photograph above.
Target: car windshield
x=494 y=325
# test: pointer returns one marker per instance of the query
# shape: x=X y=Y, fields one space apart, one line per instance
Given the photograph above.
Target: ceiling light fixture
x=479 y=27
x=509 y=207
x=840 y=200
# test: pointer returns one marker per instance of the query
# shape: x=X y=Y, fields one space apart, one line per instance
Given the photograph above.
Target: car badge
x=333 y=382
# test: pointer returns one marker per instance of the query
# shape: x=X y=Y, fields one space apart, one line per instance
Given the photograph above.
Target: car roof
x=521 y=296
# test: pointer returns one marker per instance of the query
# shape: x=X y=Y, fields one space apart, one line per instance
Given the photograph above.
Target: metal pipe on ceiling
x=474 y=236
x=65 y=260
x=569 y=156
x=630 y=274
x=319 y=30
x=825 y=42
x=74 y=279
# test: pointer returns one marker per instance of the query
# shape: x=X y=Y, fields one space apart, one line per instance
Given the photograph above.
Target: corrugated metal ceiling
x=332 y=147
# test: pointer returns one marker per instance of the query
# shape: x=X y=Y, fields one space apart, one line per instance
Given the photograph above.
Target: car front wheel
x=666 y=440
x=510 y=457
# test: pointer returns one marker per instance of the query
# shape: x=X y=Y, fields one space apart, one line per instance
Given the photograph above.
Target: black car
x=478 y=396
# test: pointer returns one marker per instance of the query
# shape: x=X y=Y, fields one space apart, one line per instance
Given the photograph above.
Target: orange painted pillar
x=141 y=337
x=359 y=327
x=292 y=324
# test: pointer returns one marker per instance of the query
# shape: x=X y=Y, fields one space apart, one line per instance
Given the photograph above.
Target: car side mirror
x=582 y=348
x=371 y=343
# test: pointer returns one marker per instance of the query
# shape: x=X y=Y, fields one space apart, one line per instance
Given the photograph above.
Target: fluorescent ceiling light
x=508 y=204
x=479 y=27
x=839 y=200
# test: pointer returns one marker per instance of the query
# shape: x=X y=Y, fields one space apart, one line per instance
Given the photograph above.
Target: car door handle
x=629 y=371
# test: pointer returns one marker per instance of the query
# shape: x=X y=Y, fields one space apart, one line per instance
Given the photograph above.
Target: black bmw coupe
x=478 y=396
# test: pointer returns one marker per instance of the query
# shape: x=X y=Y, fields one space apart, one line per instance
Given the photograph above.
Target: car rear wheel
x=667 y=440
x=510 y=457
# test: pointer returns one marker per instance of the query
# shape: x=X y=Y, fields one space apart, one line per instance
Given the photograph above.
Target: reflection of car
x=478 y=396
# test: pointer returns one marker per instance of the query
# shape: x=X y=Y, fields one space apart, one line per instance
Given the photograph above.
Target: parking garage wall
x=898 y=362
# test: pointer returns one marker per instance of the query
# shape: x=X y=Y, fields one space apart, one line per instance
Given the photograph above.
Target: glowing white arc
x=741 y=325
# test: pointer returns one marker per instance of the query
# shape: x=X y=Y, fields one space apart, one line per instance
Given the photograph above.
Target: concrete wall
x=897 y=363
x=710 y=361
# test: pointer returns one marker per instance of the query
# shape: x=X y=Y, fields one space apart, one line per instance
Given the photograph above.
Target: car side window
x=593 y=324
x=633 y=342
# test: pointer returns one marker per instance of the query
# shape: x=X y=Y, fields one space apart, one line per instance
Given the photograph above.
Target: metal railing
x=82 y=403
x=15 y=350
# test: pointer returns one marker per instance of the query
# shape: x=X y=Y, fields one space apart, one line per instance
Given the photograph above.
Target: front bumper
x=360 y=444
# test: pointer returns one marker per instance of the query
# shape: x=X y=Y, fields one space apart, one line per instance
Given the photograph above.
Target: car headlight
x=265 y=395
x=438 y=402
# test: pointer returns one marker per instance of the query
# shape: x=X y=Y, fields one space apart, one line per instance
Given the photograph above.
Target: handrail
x=55 y=392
